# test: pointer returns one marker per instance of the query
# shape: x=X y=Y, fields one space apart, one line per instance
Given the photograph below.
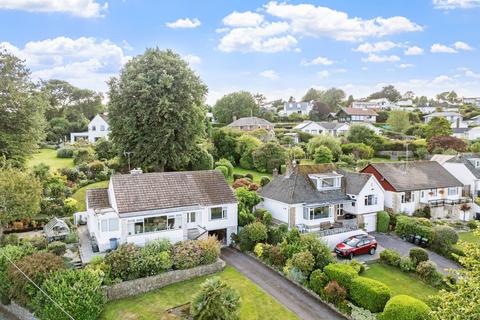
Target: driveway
x=289 y=295
x=393 y=242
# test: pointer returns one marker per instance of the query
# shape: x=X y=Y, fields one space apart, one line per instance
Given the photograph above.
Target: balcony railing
x=327 y=229
x=443 y=202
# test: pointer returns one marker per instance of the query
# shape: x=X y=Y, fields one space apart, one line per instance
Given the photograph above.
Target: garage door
x=370 y=221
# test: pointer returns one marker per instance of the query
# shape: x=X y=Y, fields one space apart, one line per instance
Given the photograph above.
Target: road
x=289 y=295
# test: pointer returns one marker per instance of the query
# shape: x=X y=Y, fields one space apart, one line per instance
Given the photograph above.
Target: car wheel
x=372 y=251
x=350 y=256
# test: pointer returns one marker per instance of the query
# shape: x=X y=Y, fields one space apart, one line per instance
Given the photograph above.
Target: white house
x=323 y=199
x=140 y=207
x=455 y=118
x=97 y=128
x=302 y=108
x=473 y=101
x=357 y=115
x=381 y=103
x=410 y=186
x=467 y=133
x=330 y=128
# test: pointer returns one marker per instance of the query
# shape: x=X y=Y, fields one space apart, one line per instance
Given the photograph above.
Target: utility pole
x=127 y=154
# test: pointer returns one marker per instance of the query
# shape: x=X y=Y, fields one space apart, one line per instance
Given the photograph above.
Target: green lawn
x=256 y=175
x=79 y=195
x=469 y=237
x=399 y=282
x=255 y=303
x=49 y=157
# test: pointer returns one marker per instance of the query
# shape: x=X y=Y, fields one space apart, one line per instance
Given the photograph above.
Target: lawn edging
x=298 y=285
x=142 y=285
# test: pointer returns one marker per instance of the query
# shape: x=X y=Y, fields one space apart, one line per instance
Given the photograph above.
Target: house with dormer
x=97 y=128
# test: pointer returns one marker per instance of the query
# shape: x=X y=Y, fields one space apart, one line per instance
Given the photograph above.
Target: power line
x=41 y=290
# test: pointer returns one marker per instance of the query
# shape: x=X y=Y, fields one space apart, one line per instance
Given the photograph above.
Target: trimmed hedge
x=342 y=273
x=418 y=255
x=390 y=257
x=403 y=307
x=383 y=220
x=318 y=281
x=407 y=225
x=369 y=294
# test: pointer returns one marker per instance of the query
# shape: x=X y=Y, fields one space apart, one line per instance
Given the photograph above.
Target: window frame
x=223 y=213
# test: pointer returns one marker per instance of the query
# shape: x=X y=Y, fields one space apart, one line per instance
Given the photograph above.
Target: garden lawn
x=399 y=282
x=49 y=157
x=256 y=175
x=79 y=195
x=255 y=303
x=469 y=237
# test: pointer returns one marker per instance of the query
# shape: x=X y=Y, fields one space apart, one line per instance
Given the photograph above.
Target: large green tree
x=398 y=120
x=156 y=110
x=21 y=110
x=235 y=105
x=388 y=92
x=438 y=127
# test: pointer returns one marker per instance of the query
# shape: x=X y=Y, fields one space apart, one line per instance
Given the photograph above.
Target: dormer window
x=327 y=181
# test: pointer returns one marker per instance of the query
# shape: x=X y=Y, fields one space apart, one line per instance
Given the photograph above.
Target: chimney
x=290 y=167
x=136 y=172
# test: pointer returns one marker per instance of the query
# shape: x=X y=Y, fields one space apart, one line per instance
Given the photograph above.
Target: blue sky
x=275 y=48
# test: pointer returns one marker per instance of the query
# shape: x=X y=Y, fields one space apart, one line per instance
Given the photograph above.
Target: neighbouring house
x=426 y=109
x=475 y=121
x=330 y=128
x=356 y=115
x=381 y=103
x=324 y=200
x=455 y=118
x=404 y=103
x=141 y=207
x=473 y=101
x=294 y=135
x=465 y=167
x=415 y=185
x=56 y=229
x=302 y=108
x=467 y=133
x=251 y=123
x=97 y=128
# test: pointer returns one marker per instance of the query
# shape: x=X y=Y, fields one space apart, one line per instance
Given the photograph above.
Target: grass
x=49 y=157
x=399 y=282
x=255 y=303
x=79 y=195
x=256 y=175
x=469 y=237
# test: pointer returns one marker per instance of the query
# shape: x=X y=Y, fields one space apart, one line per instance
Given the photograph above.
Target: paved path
x=403 y=247
x=289 y=295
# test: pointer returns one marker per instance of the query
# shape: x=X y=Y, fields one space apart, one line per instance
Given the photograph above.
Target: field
x=49 y=157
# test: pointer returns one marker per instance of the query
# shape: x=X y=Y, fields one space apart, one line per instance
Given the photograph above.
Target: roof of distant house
x=442 y=114
x=465 y=159
x=359 y=112
x=325 y=124
x=164 y=190
x=250 y=121
x=415 y=175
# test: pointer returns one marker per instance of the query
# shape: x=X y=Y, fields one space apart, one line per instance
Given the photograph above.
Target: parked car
x=356 y=245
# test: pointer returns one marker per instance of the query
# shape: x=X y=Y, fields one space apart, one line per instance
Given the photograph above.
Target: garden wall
x=15 y=311
x=142 y=285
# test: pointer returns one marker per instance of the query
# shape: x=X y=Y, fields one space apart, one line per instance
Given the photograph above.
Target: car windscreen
x=351 y=242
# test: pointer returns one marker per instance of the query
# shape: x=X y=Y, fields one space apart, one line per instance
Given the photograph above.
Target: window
x=191 y=217
x=104 y=225
x=102 y=128
x=113 y=224
x=422 y=194
x=94 y=128
x=316 y=213
x=370 y=200
x=154 y=224
x=339 y=208
x=353 y=204
x=218 y=213
x=452 y=191
x=407 y=197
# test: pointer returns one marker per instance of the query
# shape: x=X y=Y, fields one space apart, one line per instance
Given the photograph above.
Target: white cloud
x=460 y=45
x=269 y=37
x=377 y=58
x=307 y=19
x=413 y=51
x=80 y=8
x=85 y=62
x=441 y=48
x=441 y=79
x=327 y=73
x=318 y=61
x=184 y=23
x=192 y=59
x=469 y=73
x=405 y=65
x=376 y=47
x=243 y=19
x=269 y=74
x=454 y=4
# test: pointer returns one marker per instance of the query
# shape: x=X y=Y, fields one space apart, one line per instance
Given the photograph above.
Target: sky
x=279 y=49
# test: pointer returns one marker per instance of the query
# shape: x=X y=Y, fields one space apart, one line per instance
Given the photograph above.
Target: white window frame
x=370 y=200
x=404 y=198
x=455 y=191
x=224 y=214
x=190 y=215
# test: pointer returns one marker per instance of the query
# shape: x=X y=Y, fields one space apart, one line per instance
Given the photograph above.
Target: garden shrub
x=38 y=267
x=10 y=239
x=359 y=313
x=120 y=262
x=77 y=291
x=318 y=280
x=216 y=300
x=444 y=237
x=210 y=248
x=358 y=266
x=251 y=234
x=249 y=176
x=38 y=242
x=390 y=257
x=223 y=170
x=303 y=261
x=296 y=275
x=153 y=258
x=237 y=176
x=418 y=255
x=264 y=180
x=274 y=255
x=14 y=253
x=264 y=216
x=245 y=217
x=57 y=248
x=472 y=224
x=406 y=226
x=83 y=155
x=341 y=273
x=334 y=292
x=427 y=270
x=320 y=251
x=65 y=152
x=359 y=150
x=403 y=307
x=383 y=221
x=407 y=264
x=369 y=294
x=258 y=249
x=276 y=234
x=186 y=254
x=96 y=167
x=225 y=163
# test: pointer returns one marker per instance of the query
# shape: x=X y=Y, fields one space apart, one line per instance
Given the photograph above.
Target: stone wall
x=142 y=285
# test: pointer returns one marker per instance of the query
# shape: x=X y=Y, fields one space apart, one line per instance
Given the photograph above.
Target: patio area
x=85 y=246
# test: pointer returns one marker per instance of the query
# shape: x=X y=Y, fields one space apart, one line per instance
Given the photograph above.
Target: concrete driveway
x=288 y=294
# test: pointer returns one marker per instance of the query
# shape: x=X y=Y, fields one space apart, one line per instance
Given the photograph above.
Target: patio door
x=191 y=219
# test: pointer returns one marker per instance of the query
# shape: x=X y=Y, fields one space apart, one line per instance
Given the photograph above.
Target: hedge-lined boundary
x=142 y=285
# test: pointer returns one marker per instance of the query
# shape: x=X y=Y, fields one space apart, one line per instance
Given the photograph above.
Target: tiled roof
x=250 y=121
x=359 y=112
x=163 y=190
x=97 y=198
x=355 y=181
x=465 y=159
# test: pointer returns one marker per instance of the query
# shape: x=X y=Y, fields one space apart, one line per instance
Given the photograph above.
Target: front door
x=191 y=220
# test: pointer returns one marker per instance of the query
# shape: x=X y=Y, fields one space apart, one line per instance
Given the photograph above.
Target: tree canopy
x=156 y=110
x=389 y=92
x=320 y=111
x=398 y=120
x=331 y=97
x=237 y=104
x=438 y=127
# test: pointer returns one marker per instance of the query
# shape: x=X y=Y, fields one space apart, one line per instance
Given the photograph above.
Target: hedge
x=369 y=294
x=418 y=255
x=406 y=226
x=403 y=307
x=383 y=220
x=390 y=257
x=342 y=273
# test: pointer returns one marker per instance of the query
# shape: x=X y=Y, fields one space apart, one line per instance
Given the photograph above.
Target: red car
x=356 y=245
